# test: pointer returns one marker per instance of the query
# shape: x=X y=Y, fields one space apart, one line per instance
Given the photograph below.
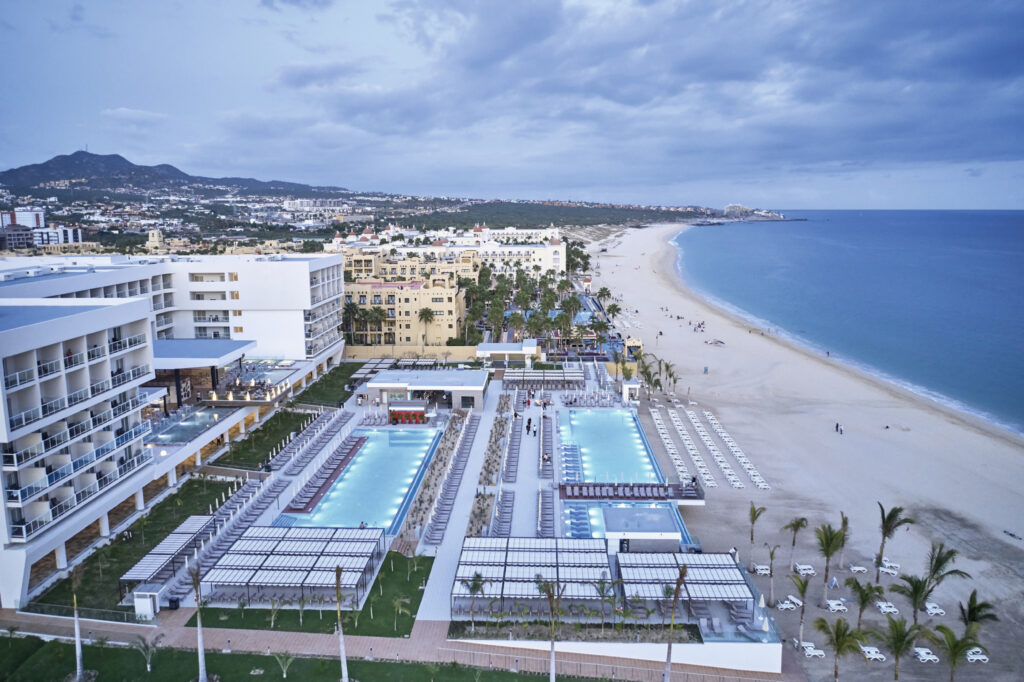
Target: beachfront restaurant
x=445 y=388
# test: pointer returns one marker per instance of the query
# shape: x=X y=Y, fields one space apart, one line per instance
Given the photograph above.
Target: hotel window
x=234 y=295
x=236 y=330
x=232 y=276
x=236 y=313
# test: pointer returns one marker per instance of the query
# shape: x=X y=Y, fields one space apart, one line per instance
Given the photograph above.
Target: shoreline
x=969 y=419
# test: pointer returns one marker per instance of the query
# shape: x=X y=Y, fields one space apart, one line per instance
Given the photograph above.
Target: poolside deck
x=326 y=485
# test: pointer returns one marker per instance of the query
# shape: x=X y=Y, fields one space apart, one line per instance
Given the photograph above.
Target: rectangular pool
x=607 y=446
x=379 y=483
x=585 y=520
x=186 y=429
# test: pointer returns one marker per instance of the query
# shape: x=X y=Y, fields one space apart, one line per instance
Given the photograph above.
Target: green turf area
x=16 y=650
x=390 y=584
x=101 y=571
x=330 y=388
x=52 y=661
x=254 y=449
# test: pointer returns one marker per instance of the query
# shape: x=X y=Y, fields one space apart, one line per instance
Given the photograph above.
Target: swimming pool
x=607 y=446
x=585 y=519
x=191 y=426
x=378 y=485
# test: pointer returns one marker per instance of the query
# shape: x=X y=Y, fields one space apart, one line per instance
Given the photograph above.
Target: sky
x=776 y=104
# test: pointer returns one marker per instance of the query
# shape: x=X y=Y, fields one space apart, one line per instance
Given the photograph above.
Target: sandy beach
x=959 y=477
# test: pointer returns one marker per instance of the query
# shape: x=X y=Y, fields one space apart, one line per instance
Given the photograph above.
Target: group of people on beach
x=839 y=428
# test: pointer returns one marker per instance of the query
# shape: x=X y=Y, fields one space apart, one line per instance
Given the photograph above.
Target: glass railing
x=74 y=360
x=133 y=373
x=96 y=353
x=78 y=396
x=18 y=378
x=45 y=369
x=52 y=406
x=99 y=387
x=159 y=305
x=125 y=344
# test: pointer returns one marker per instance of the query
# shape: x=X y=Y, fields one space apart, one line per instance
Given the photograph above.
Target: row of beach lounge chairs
x=716 y=454
x=546 y=514
x=301 y=441
x=319 y=442
x=515 y=441
x=503 y=518
x=691 y=448
x=670 y=446
x=751 y=470
x=450 y=488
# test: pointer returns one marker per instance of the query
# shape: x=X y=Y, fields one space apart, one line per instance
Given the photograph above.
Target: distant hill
x=113 y=170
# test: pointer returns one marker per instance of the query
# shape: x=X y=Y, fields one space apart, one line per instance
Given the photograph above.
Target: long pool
x=611 y=447
x=379 y=483
x=584 y=519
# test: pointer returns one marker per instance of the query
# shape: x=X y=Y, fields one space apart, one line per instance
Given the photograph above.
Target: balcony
x=99 y=387
x=78 y=396
x=23 y=531
x=74 y=360
x=15 y=379
x=20 y=495
x=159 y=305
x=96 y=353
x=53 y=406
x=124 y=344
x=134 y=373
x=47 y=445
x=209 y=319
x=45 y=369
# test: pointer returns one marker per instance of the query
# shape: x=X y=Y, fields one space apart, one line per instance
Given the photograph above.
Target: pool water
x=378 y=485
x=585 y=520
x=190 y=427
x=612 y=446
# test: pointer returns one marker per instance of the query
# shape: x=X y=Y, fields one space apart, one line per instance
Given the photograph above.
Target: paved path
x=524 y=511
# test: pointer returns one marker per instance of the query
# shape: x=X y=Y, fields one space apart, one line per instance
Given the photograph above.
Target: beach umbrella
x=760 y=602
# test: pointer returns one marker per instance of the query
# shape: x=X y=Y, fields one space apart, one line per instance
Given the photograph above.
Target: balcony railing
x=53 y=406
x=34 y=489
x=156 y=286
x=159 y=305
x=23 y=531
x=74 y=360
x=96 y=353
x=133 y=373
x=45 y=369
x=210 y=318
x=18 y=378
x=79 y=396
x=125 y=344
x=99 y=386
x=163 y=321
x=56 y=440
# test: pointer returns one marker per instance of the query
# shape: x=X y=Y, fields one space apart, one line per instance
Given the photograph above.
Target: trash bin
x=173 y=604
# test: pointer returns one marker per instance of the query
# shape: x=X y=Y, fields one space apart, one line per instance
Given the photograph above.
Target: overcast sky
x=790 y=104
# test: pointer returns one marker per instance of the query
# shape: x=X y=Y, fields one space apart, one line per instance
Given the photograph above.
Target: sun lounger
x=977 y=655
x=804 y=570
x=888 y=570
x=836 y=606
x=925 y=655
x=811 y=652
x=933 y=609
x=785 y=605
x=872 y=653
x=858 y=569
x=794 y=600
x=887 y=607
x=761 y=569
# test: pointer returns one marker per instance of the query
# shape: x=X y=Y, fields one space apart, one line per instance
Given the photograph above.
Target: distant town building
x=26 y=217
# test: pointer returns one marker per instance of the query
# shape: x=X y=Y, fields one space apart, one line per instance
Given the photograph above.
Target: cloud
x=135 y=117
x=301 y=76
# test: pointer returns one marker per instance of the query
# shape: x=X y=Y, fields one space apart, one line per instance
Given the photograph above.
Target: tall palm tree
x=194 y=574
x=475 y=586
x=915 y=589
x=349 y=316
x=890 y=523
x=572 y=305
x=553 y=591
x=830 y=541
x=79 y=667
x=771 y=573
x=680 y=584
x=516 y=322
x=844 y=528
x=426 y=316
x=898 y=639
x=801 y=584
x=613 y=310
x=754 y=514
x=605 y=590
x=375 y=317
x=841 y=638
x=954 y=647
x=864 y=593
x=940 y=562
x=976 y=611
x=603 y=294
x=399 y=604
x=341 y=634
x=795 y=526
x=616 y=359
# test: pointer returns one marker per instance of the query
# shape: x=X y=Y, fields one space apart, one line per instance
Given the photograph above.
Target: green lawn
x=330 y=388
x=101 y=571
x=51 y=661
x=251 y=452
x=389 y=585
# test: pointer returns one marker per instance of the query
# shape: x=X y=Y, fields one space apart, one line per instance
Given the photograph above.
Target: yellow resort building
x=400 y=324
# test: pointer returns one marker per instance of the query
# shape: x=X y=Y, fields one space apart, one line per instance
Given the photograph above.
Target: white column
x=104 y=525
x=62 y=557
x=140 y=500
x=172 y=477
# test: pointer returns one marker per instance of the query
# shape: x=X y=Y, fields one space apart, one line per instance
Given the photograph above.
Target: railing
x=163 y=321
x=23 y=531
x=78 y=396
x=132 y=291
x=74 y=360
x=27 y=417
x=75 y=465
x=45 y=369
x=96 y=353
x=156 y=286
x=133 y=373
x=159 y=305
x=209 y=318
x=125 y=344
x=64 y=611
x=52 y=406
x=26 y=454
x=99 y=386
x=18 y=378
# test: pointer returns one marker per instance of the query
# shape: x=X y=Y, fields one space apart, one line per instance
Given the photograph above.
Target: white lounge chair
x=925 y=655
x=793 y=600
x=933 y=609
x=888 y=570
x=836 y=606
x=785 y=605
x=811 y=652
x=889 y=564
x=887 y=607
x=976 y=655
x=761 y=569
x=872 y=653
x=858 y=569
x=804 y=570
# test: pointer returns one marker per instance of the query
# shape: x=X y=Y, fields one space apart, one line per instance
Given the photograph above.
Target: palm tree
x=864 y=593
x=916 y=591
x=940 y=562
x=426 y=316
x=830 y=541
x=475 y=587
x=572 y=305
x=349 y=315
x=613 y=310
x=771 y=573
x=517 y=322
x=954 y=647
x=841 y=638
x=79 y=667
x=605 y=591
x=341 y=632
x=603 y=294
x=844 y=528
x=147 y=648
x=801 y=584
x=890 y=523
x=976 y=611
x=795 y=526
x=375 y=316
x=897 y=638
x=754 y=514
x=285 y=661
x=680 y=583
x=194 y=574
x=553 y=591
x=399 y=604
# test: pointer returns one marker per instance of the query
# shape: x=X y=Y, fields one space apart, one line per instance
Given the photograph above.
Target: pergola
x=161 y=562
x=546 y=378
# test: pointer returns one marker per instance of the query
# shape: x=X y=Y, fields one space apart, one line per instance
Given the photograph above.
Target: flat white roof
x=189 y=353
x=430 y=380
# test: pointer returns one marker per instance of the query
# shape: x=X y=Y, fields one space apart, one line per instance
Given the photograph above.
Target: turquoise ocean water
x=931 y=300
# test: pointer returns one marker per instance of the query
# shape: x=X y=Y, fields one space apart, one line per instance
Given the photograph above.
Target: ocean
x=930 y=300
